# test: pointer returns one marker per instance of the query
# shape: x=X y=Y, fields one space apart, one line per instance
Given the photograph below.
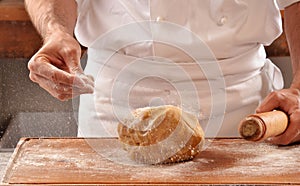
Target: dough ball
x=163 y=134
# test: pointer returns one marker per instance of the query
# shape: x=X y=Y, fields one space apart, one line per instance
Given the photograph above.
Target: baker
x=205 y=56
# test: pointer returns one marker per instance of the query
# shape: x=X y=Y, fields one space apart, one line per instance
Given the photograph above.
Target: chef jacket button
x=222 y=21
x=159 y=18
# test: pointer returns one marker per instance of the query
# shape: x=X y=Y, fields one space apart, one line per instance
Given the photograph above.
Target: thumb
x=73 y=63
x=269 y=103
x=71 y=54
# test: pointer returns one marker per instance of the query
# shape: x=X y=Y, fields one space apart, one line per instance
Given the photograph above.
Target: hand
x=56 y=68
x=287 y=100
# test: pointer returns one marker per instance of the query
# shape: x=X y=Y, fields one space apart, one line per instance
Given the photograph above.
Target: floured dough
x=163 y=134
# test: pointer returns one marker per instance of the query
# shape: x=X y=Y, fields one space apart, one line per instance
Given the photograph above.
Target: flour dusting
x=222 y=159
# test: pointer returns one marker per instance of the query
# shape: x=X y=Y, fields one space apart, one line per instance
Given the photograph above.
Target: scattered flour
x=220 y=158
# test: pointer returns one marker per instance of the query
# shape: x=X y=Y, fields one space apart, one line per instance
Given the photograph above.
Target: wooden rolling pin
x=258 y=127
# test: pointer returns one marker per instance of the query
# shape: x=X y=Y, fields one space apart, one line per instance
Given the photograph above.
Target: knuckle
x=60 y=90
x=63 y=97
x=54 y=76
x=33 y=77
x=277 y=95
x=286 y=142
x=59 y=97
x=297 y=113
x=71 y=51
x=281 y=141
x=69 y=79
x=31 y=65
x=295 y=91
x=55 y=94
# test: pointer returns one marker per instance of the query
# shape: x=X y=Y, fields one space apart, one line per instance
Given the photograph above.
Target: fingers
x=292 y=133
x=56 y=67
x=57 y=91
x=86 y=80
x=41 y=68
x=71 y=57
x=270 y=102
x=61 y=91
x=286 y=100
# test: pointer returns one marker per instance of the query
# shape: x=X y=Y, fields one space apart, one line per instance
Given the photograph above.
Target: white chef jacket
x=234 y=32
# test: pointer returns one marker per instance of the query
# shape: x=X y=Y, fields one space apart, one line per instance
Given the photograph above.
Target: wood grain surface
x=18 y=37
x=103 y=161
x=13 y=10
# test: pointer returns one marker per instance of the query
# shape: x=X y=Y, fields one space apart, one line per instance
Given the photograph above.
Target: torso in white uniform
x=151 y=52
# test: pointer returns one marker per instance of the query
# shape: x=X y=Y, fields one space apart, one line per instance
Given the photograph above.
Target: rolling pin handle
x=258 y=127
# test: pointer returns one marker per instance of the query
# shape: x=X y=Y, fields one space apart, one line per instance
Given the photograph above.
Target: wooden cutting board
x=103 y=161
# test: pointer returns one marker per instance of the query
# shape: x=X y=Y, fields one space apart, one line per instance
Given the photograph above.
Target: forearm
x=51 y=16
x=292 y=30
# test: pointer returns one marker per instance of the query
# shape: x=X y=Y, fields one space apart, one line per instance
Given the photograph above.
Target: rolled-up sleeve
x=285 y=3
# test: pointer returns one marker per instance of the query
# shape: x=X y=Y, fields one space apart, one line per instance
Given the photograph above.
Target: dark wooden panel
x=13 y=10
x=18 y=39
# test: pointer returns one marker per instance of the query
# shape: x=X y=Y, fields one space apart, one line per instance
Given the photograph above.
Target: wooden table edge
x=22 y=141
